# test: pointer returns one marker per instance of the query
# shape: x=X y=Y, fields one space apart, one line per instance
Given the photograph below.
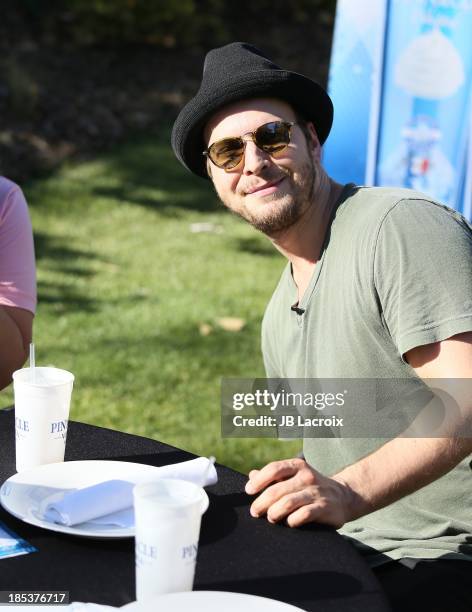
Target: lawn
x=129 y=298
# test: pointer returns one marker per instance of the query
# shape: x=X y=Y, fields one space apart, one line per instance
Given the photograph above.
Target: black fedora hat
x=235 y=72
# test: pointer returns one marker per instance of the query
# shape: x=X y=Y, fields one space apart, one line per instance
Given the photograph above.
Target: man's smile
x=265 y=188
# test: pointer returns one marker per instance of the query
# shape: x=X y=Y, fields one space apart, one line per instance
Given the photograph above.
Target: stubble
x=282 y=212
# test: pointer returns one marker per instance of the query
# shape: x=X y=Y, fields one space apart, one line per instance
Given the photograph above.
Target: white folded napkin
x=111 y=502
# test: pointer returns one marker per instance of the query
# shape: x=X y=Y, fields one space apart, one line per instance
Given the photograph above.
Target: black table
x=311 y=567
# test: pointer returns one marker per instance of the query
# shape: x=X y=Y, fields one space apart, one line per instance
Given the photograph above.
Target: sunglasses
x=271 y=138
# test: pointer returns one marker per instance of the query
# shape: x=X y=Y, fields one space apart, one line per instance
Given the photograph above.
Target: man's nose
x=254 y=158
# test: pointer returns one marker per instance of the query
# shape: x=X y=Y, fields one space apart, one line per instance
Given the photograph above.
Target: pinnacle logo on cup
x=145 y=553
x=21 y=428
x=59 y=429
x=189 y=553
x=42 y=403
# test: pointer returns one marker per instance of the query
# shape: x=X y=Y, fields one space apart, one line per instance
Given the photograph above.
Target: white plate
x=210 y=601
x=22 y=494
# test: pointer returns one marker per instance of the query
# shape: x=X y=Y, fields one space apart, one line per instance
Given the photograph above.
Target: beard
x=278 y=212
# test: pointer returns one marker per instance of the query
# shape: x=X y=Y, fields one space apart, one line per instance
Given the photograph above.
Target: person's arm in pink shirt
x=16 y=327
x=17 y=280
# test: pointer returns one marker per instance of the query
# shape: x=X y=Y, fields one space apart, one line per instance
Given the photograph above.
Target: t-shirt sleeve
x=17 y=262
x=422 y=270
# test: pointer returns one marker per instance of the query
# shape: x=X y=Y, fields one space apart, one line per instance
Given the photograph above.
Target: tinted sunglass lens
x=227 y=153
x=273 y=137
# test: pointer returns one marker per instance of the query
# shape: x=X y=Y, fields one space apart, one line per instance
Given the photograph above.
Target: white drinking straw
x=32 y=362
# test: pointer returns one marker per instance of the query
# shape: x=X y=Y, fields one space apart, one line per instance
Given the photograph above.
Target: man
x=378 y=285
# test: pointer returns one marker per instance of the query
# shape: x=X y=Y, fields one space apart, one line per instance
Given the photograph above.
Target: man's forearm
x=398 y=468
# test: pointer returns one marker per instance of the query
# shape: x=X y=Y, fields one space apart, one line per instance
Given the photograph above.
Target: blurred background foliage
x=166 y=23
x=79 y=76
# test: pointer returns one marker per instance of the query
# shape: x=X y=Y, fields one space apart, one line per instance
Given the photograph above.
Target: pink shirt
x=17 y=266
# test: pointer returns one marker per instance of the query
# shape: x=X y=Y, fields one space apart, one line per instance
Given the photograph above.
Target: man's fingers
x=317 y=512
x=273 y=472
x=304 y=514
x=270 y=496
x=294 y=491
x=288 y=504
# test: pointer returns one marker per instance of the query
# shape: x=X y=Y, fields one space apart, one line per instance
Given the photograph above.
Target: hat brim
x=303 y=94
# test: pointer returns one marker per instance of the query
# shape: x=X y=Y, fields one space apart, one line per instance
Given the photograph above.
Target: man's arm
x=16 y=326
x=295 y=491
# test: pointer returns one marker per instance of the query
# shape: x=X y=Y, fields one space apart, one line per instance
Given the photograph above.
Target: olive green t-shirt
x=395 y=273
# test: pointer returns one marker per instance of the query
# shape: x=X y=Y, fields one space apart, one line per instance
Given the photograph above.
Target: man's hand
x=294 y=491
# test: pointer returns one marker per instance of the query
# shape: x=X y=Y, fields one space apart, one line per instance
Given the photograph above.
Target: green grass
x=123 y=287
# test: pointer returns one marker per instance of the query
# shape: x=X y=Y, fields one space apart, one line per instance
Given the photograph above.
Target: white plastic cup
x=42 y=403
x=167 y=522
